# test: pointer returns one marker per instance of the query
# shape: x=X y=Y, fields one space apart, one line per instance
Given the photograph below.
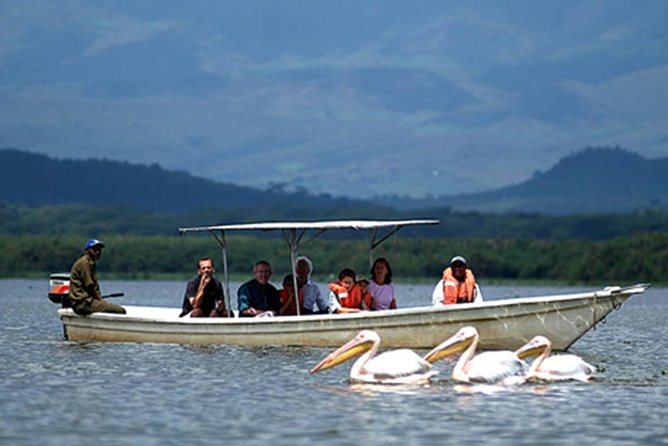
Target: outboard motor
x=59 y=289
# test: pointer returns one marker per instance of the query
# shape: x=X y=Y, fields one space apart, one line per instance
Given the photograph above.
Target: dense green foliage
x=620 y=261
x=42 y=230
x=92 y=221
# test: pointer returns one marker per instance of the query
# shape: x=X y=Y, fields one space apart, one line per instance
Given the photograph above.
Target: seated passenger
x=457 y=285
x=204 y=294
x=383 y=294
x=340 y=296
x=287 y=296
x=315 y=302
x=361 y=285
x=258 y=296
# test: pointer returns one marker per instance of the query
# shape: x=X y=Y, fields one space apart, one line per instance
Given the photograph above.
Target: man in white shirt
x=315 y=302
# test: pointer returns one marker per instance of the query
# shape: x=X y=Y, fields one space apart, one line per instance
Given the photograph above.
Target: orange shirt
x=291 y=310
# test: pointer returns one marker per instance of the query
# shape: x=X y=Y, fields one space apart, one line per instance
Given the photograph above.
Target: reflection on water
x=57 y=392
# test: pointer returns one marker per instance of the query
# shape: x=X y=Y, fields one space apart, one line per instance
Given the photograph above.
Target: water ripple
x=161 y=394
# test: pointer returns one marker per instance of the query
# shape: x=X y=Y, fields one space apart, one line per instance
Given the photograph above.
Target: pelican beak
x=534 y=347
x=342 y=354
x=448 y=347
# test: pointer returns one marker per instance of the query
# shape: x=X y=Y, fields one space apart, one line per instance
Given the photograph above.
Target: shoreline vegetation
x=619 y=261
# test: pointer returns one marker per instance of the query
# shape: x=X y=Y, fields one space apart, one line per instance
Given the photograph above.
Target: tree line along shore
x=620 y=261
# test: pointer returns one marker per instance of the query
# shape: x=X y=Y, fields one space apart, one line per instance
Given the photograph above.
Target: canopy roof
x=317 y=225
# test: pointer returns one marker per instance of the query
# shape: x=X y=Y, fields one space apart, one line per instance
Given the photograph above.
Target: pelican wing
x=496 y=366
x=565 y=367
x=396 y=364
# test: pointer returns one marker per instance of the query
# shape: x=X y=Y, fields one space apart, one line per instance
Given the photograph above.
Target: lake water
x=55 y=392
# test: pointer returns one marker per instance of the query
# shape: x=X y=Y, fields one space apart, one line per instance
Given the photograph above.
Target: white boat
x=502 y=324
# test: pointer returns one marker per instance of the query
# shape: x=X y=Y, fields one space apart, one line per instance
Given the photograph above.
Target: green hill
x=593 y=180
x=38 y=180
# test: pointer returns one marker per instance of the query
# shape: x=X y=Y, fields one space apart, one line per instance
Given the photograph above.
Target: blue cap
x=93 y=242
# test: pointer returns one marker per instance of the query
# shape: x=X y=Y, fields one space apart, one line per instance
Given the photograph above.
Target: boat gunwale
x=612 y=292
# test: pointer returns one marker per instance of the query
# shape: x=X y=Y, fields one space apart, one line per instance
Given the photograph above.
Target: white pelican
x=392 y=367
x=499 y=367
x=556 y=367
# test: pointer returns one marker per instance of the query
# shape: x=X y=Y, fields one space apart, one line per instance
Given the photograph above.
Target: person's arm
x=333 y=304
x=243 y=302
x=437 y=295
x=393 y=302
x=286 y=306
x=89 y=283
x=321 y=300
x=196 y=300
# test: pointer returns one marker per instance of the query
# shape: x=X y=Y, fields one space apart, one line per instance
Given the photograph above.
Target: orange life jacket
x=352 y=299
x=284 y=295
x=365 y=298
x=455 y=291
x=359 y=300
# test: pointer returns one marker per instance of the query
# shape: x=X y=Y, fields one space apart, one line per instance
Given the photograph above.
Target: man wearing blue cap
x=84 y=288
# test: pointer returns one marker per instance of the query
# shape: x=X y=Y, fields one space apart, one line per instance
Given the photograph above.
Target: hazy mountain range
x=603 y=180
x=347 y=98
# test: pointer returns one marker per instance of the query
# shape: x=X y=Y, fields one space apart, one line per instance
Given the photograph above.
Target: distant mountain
x=38 y=180
x=440 y=97
x=594 y=180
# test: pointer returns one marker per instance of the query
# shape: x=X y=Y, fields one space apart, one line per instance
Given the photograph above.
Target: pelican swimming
x=499 y=367
x=555 y=367
x=392 y=367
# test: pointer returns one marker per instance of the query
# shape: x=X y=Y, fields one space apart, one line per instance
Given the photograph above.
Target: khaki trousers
x=90 y=305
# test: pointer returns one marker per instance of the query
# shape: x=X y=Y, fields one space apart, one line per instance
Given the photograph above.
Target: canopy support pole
x=373 y=243
x=226 y=276
x=293 y=242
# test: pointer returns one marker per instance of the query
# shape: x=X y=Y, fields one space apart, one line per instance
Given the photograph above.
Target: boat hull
x=502 y=324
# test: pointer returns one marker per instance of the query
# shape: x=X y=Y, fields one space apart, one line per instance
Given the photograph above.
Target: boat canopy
x=315 y=225
x=293 y=231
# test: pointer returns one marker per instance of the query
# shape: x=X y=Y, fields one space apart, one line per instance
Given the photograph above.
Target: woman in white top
x=383 y=295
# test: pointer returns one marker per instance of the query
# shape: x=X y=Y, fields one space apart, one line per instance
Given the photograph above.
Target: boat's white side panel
x=505 y=324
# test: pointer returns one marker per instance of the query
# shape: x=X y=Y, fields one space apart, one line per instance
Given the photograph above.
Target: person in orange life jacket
x=287 y=296
x=457 y=285
x=383 y=293
x=361 y=285
x=340 y=297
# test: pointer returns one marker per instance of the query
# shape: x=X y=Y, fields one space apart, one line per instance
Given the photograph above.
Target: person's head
x=458 y=266
x=347 y=278
x=262 y=272
x=362 y=282
x=381 y=271
x=93 y=248
x=205 y=267
x=288 y=283
x=303 y=268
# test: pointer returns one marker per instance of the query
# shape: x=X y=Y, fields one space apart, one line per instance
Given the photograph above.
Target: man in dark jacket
x=258 y=296
x=204 y=294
